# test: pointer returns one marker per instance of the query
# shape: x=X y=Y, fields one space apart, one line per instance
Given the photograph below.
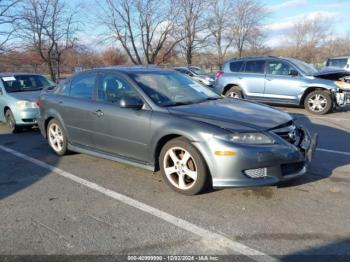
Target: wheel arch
x=52 y=115
x=311 y=89
x=228 y=86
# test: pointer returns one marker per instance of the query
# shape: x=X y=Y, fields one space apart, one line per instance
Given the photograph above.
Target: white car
x=340 y=62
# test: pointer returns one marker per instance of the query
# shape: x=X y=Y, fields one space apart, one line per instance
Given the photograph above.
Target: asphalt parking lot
x=79 y=204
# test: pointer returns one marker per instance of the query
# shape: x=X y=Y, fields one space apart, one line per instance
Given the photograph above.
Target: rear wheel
x=234 y=92
x=183 y=168
x=318 y=102
x=57 y=137
x=11 y=122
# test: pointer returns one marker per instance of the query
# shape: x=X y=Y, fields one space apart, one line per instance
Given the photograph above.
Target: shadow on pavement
x=337 y=251
x=16 y=174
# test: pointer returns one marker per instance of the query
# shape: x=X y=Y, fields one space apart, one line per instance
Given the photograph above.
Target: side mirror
x=131 y=102
x=293 y=72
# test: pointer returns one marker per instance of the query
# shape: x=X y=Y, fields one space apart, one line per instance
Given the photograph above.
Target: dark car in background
x=160 y=119
x=285 y=81
x=197 y=74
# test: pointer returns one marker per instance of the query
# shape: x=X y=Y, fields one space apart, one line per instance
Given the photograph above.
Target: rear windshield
x=338 y=62
x=23 y=83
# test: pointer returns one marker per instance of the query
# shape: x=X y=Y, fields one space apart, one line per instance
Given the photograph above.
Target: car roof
x=130 y=69
x=259 y=58
x=340 y=57
x=4 y=74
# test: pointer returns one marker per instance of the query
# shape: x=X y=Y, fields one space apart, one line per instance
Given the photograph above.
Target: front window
x=278 y=68
x=23 y=83
x=306 y=69
x=112 y=89
x=172 y=89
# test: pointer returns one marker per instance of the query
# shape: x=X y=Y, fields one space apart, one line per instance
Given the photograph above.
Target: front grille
x=28 y=120
x=293 y=168
x=288 y=132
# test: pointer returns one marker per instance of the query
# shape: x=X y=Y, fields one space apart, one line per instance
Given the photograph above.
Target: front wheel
x=57 y=137
x=183 y=168
x=11 y=122
x=318 y=102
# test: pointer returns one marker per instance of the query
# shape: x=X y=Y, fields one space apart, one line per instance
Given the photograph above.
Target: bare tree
x=308 y=35
x=192 y=20
x=220 y=26
x=7 y=18
x=143 y=28
x=49 y=27
x=248 y=17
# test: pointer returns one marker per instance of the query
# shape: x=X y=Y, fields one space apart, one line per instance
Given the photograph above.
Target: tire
x=234 y=92
x=189 y=178
x=318 y=102
x=56 y=137
x=11 y=122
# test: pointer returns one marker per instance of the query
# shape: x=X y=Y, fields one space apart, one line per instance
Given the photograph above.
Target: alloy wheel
x=180 y=168
x=317 y=103
x=56 y=137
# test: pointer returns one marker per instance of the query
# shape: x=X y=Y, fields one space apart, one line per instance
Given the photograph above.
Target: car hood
x=233 y=114
x=27 y=95
x=331 y=73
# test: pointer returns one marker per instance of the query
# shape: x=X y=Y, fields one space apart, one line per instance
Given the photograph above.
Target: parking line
x=333 y=151
x=207 y=235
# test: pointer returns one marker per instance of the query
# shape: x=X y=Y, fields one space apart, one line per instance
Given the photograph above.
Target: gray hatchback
x=161 y=119
x=285 y=81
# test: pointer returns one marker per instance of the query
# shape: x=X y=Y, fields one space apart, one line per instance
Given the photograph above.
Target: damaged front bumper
x=342 y=98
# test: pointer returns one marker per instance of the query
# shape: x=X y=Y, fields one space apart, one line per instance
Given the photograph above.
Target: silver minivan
x=286 y=81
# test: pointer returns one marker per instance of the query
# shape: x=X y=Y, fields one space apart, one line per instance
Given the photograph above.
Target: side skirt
x=119 y=159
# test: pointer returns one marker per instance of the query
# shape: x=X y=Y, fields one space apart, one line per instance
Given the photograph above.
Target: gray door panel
x=122 y=131
x=78 y=116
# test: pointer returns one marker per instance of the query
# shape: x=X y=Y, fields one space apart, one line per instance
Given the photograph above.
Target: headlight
x=342 y=85
x=247 y=138
x=25 y=104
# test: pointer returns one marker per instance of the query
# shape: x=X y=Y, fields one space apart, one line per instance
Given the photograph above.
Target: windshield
x=198 y=71
x=22 y=83
x=306 y=69
x=171 y=89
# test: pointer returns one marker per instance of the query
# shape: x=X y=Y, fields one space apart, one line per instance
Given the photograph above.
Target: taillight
x=37 y=102
x=219 y=74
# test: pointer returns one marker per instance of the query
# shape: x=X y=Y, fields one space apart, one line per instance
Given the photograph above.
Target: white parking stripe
x=333 y=151
x=207 y=235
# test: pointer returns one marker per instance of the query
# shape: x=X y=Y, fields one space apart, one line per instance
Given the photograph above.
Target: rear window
x=257 y=67
x=236 y=66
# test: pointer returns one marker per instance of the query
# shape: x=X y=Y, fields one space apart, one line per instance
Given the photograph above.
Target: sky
x=283 y=14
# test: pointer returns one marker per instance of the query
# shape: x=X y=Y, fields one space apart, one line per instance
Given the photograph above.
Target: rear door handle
x=268 y=79
x=60 y=102
x=99 y=113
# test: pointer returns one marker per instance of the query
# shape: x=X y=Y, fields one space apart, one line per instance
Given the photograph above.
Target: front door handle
x=99 y=113
x=268 y=79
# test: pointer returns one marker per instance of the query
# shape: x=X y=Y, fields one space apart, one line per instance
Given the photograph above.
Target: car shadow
x=336 y=251
x=17 y=174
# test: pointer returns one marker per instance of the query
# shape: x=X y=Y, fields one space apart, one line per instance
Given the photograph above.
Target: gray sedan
x=160 y=119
